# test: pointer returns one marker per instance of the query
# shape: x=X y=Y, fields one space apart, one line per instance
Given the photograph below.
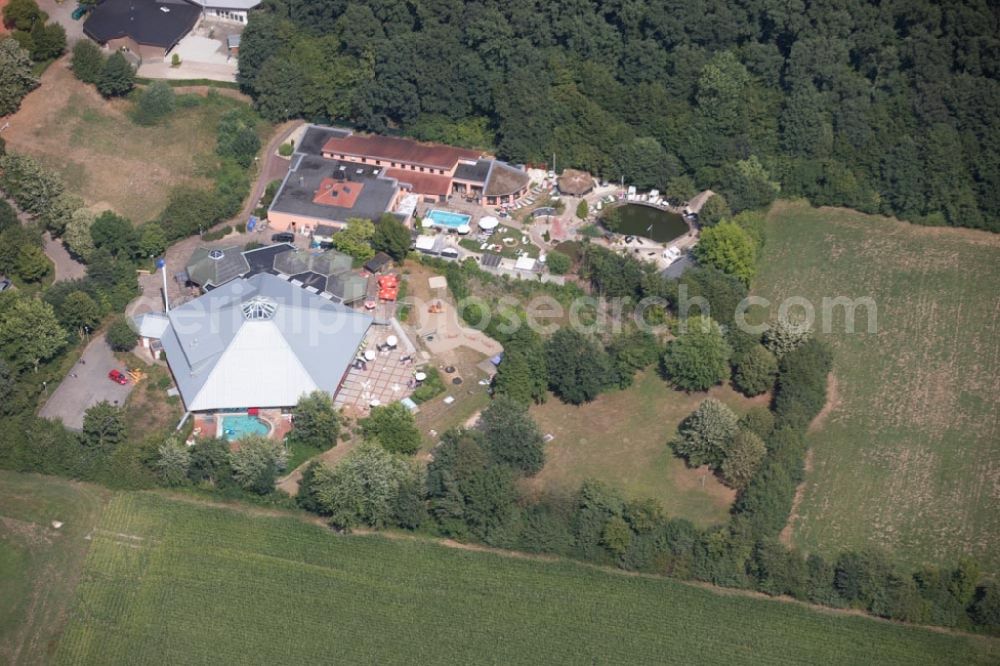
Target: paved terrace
x=388 y=377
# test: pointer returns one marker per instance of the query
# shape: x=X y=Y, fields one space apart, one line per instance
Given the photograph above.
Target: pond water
x=638 y=220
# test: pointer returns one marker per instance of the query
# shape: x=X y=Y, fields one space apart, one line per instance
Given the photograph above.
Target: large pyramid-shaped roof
x=260 y=342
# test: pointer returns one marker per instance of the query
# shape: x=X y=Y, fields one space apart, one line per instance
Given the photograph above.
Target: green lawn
x=908 y=457
x=40 y=565
x=508 y=250
x=621 y=438
x=168 y=581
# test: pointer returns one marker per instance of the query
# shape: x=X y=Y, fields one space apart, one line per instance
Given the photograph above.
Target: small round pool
x=238 y=426
x=635 y=219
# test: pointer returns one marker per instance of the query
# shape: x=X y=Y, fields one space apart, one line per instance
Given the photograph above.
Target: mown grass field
x=102 y=155
x=908 y=456
x=40 y=565
x=621 y=438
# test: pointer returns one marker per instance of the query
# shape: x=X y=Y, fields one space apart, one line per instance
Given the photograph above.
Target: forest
x=886 y=107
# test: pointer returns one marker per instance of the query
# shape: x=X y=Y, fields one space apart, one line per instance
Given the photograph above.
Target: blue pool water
x=443 y=218
x=238 y=427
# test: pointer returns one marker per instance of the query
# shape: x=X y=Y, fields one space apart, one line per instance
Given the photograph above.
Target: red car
x=117 y=376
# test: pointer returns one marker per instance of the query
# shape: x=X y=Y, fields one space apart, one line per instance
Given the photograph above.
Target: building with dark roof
x=320 y=192
x=148 y=29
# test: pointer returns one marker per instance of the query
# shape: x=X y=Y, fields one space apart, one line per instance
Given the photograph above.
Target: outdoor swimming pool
x=443 y=218
x=239 y=426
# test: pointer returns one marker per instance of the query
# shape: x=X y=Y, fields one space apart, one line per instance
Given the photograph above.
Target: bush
x=393 y=427
x=582 y=209
x=175 y=60
x=217 y=234
x=754 y=372
x=431 y=387
x=120 y=335
x=117 y=78
x=558 y=263
x=286 y=149
x=699 y=358
x=156 y=102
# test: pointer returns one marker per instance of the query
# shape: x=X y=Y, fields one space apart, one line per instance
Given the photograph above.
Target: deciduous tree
x=364 y=488
x=32 y=264
x=698 y=358
x=316 y=422
x=121 y=336
x=88 y=61
x=30 y=333
x=578 y=367
x=511 y=436
x=558 y=263
x=393 y=427
x=742 y=459
x=392 y=237
x=754 y=372
x=705 y=435
x=173 y=462
x=729 y=248
x=104 y=427
x=257 y=462
x=356 y=238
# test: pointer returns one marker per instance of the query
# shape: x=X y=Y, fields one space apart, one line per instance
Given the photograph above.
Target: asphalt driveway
x=90 y=386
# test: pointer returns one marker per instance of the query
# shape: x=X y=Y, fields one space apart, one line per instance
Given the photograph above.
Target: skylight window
x=259 y=308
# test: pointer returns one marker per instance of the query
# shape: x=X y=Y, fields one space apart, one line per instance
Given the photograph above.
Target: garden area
x=508 y=242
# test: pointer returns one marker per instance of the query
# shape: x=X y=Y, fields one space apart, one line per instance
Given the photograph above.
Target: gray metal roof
x=315 y=138
x=348 y=287
x=329 y=262
x=221 y=358
x=301 y=184
x=213 y=267
x=476 y=173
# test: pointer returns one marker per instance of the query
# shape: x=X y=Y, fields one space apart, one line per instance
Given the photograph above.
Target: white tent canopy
x=464 y=229
x=427 y=222
x=489 y=222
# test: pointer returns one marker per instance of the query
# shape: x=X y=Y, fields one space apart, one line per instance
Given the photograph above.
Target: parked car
x=5 y=284
x=283 y=237
x=118 y=376
x=78 y=13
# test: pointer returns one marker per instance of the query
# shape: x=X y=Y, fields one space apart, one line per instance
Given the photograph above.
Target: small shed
x=575 y=183
x=233 y=44
x=378 y=263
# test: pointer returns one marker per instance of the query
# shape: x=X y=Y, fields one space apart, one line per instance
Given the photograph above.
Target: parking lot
x=89 y=386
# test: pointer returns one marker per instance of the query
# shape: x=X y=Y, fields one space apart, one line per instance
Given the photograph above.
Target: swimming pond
x=239 y=426
x=444 y=218
x=657 y=224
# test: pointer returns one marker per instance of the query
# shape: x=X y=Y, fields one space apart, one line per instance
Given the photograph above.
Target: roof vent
x=216 y=254
x=165 y=10
x=259 y=308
